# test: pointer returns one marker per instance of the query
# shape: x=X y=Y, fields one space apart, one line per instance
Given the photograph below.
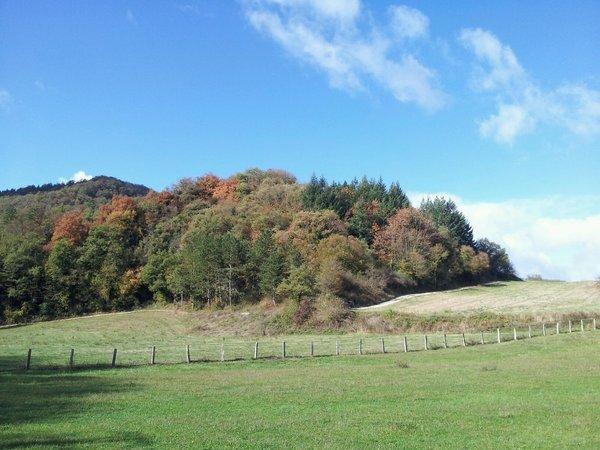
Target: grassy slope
x=532 y=393
x=94 y=337
x=513 y=297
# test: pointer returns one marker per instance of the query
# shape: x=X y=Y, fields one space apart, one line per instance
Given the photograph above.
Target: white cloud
x=510 y=121
x=504 y=69
x=345 y=11
x=522 y=104
x=408 y=22
x=556 y=237
x=130 y=17
x=5 y=100
x=328 y=35
x=80 y=175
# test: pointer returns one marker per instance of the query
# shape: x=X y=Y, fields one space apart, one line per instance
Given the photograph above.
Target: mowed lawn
x=541 y=392
x=512 y=297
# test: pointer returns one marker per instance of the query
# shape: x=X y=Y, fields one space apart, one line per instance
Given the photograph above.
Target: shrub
x=303 y=312
x=330 y=312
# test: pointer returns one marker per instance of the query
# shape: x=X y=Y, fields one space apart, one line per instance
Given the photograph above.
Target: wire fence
x=50 y=357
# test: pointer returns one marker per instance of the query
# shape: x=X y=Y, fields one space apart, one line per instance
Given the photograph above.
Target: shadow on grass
x=496 y=284
x=35 y=406
x=26 y=440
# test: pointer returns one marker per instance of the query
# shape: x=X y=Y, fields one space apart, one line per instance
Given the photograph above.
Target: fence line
x=325 y=346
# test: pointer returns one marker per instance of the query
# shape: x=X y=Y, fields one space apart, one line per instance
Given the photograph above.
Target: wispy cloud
x=556 y=236
x=80 y=175
x=130 y=17
x=341 y=39
x=408 y=23
x=5 y=100
x=189 y=8
x=522 y=104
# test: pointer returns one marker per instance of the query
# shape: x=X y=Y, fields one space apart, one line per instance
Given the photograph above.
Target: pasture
x=539 y=298
x=531 y=393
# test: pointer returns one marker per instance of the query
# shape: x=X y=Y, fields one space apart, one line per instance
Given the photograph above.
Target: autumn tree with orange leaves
x=71 y=226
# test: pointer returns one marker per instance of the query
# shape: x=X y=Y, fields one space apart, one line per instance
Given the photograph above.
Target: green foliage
x=22 y=276
x=271 y=273
x=300 y=283
x=63 y=281
x=363 y=204
x=444 y=213
x=500 y=265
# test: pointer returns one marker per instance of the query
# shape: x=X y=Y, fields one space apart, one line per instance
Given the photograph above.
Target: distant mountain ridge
x=100 y=182
x=36 y=208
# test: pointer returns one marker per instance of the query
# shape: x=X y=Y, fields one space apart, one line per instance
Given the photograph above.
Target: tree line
x=257 y=236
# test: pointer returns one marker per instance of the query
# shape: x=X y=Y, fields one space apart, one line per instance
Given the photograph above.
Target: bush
x=330 y=312
x=303 y=312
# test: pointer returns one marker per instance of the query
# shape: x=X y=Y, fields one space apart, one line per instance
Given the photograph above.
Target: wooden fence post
x=482 y=339
x=425 y=342
x=544 y=329
x=72 y=358
x=445 y=341
x=312 y=348
x=529 y=332
x=187 y=354
x=582 y=325
x=405 y=345
x=570 y=330
x=514 y=334
x=28 y=362
x=499 y=337
x=337 y=348
x=382 y=345
x=223 y=350
x=283 y=349
x=360 y=347
x=256 y=350
x=594 y=323
x=153 y=355
x=464 y=341
x=114 y=358
x=557 y=327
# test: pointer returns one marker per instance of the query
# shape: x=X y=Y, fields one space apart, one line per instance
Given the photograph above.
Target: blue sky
x=493 y=103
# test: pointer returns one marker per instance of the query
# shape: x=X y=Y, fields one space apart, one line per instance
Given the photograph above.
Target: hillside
x=97 y=187
x=507 y=297
x=36 y=208
x=257 y=236
x=93 y=192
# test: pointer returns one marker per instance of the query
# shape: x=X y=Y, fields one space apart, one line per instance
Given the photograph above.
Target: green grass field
x=540 y=392
x=133 y=334
x=512 y=297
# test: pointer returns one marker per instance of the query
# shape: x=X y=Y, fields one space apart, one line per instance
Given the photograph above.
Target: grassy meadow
x=540 y=392
x=532 y=393
x=170 y=331
x=507 y=297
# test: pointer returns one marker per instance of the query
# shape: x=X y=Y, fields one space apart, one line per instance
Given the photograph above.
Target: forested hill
x=36 y=208
x=315 y=248
x=100 y=186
